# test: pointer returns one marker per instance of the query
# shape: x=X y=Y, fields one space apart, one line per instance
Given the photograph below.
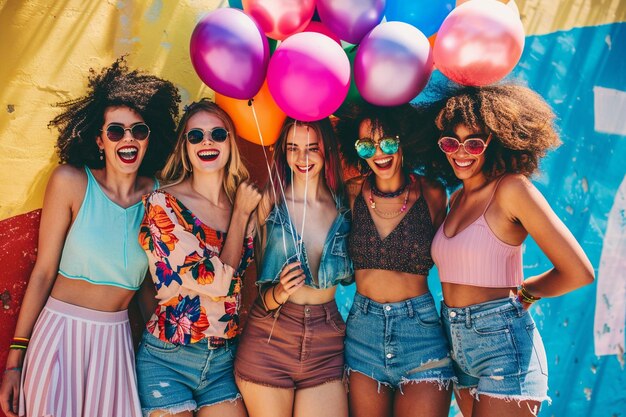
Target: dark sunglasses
x=473 y=146
x=196 y=135
x=366 y=147
x=115 y=131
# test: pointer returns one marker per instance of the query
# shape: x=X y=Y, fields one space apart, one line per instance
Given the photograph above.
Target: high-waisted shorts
x=178 y=378
x=497 y=350
x=299 y=346
x=397 y=343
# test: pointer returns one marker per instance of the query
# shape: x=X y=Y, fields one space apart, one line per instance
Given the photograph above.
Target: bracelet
x=15 y=368
x=19 y=343
x=526 y=297
x=274 y=296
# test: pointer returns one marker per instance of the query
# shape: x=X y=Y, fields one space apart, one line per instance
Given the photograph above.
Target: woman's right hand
x=10 y=392
x=247 y=198
x=291 y=280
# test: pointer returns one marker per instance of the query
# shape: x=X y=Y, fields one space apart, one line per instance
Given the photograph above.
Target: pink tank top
x=475 y=256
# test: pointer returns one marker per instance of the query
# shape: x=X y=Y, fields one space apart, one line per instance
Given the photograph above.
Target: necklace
x=389 y=214
x=382 y=194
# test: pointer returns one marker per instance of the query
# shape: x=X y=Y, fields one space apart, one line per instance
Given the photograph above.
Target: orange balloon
x=269 y=116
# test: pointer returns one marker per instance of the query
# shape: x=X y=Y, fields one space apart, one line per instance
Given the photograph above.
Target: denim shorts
x=397 y=343
x=497 y=350
x=179 y=378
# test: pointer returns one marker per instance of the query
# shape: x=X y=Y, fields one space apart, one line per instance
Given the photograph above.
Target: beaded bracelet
x=15 y=368
x=526 y=297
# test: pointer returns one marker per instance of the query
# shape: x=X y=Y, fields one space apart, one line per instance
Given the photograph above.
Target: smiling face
x=384 y=166
x=208 y=155
x=466 y=165
x=304 y=152
x=126 y=154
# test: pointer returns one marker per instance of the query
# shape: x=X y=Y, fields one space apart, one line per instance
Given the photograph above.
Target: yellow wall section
x=47 y=48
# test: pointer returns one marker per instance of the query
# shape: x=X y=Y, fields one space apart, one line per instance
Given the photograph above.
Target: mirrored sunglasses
x=115 y=131
x=473 y=146
x=366 y=147
x=196 y=135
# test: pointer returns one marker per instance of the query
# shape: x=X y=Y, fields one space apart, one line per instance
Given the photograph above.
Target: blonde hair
x=178 y=167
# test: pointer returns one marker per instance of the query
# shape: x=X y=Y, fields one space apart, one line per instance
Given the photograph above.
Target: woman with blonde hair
x=198 y=237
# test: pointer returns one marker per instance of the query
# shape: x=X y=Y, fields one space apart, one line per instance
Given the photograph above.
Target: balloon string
x=306 y=189
x=269 y=171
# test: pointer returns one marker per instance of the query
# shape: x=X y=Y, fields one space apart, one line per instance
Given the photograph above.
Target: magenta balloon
x=479 y=43
x=309 y=76
x=319 y=27
x=280 y=18
x=351 y=19
x=230 y=53
x=393 y=64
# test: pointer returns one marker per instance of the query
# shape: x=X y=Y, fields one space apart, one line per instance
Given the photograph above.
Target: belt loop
x=366 y=304
x=327 y=310
x=468 y=317
x=409 y=307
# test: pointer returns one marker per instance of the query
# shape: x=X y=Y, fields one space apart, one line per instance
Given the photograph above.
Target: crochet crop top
x=101 y=246
x=405 y=249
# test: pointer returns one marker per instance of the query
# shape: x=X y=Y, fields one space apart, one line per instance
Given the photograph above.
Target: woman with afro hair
x=73 y=319
x=493 y=138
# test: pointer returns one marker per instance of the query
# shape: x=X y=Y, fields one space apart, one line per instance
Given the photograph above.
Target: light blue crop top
x=101 y=246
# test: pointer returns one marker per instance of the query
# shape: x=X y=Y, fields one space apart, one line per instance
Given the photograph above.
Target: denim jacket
x=280 y=250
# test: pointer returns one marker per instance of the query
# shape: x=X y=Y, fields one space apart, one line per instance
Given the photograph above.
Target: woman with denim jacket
x=397 y=356
x=290 y=359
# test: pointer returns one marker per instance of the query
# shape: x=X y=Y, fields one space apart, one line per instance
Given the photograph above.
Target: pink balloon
x=319 y=27
x=229 y=53
x=393 y=64
x=479 y=43
x=351 y=19
x=309 y=76
x=280 y=18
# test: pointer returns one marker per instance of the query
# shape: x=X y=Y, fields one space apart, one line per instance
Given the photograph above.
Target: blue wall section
x=580 y=180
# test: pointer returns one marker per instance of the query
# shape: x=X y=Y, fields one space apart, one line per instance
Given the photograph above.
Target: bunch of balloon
x=480 y=42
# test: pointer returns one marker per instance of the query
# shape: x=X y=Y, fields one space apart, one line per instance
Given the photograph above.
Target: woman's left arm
x=572 y=269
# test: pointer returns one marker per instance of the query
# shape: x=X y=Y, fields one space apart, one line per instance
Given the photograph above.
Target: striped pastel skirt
x=80 y=363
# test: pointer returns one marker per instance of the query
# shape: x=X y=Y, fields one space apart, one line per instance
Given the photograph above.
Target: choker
x=392 y=194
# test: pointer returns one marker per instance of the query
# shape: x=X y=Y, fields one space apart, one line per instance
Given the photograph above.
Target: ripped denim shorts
x=497 y=350
x=397 y=343
x=179 y=378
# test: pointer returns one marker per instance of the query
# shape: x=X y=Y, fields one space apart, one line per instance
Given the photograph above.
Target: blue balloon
x=236 y=4
x=426 y=15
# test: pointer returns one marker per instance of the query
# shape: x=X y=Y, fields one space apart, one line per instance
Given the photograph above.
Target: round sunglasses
x=115 y=131
x=196 y=135
x=366 y=147
x=473 y=146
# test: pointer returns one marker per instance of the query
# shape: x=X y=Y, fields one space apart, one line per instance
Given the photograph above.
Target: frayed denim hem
x=473 y=391
x=442 y=383
x=171 y=410
x=232 y=400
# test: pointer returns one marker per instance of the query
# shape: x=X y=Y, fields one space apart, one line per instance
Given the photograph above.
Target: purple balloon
x=309 y=76
x=351 y=19
x=393 y=64
x=230 y=53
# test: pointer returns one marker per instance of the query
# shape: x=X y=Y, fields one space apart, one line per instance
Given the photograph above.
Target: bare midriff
x=312 y=296
x=385 y=286
x=458 y=295
x=92 y=296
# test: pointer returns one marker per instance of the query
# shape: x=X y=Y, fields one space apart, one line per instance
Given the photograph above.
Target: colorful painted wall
x=574 y=56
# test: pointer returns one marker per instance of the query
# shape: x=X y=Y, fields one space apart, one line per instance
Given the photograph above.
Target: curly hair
x=178 y=166
x=520 y=121
x=154 y=99
x=414 y=126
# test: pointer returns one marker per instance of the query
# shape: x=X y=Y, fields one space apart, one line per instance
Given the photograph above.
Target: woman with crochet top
x=198 y=236
x=397 y=356
x=290 y=361
x=493 y=138
x=80 y=359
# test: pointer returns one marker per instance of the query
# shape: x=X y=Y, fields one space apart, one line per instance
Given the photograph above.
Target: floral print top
x=199 y=296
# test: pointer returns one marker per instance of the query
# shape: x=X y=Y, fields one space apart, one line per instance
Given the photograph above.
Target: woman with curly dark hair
x=493 y=138
x=73 y=318
x=396 y=353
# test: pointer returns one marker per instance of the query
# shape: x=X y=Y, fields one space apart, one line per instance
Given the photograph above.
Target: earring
x=101 y=154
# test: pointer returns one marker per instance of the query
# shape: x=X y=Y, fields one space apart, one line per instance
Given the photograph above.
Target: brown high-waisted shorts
x=305 y=348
